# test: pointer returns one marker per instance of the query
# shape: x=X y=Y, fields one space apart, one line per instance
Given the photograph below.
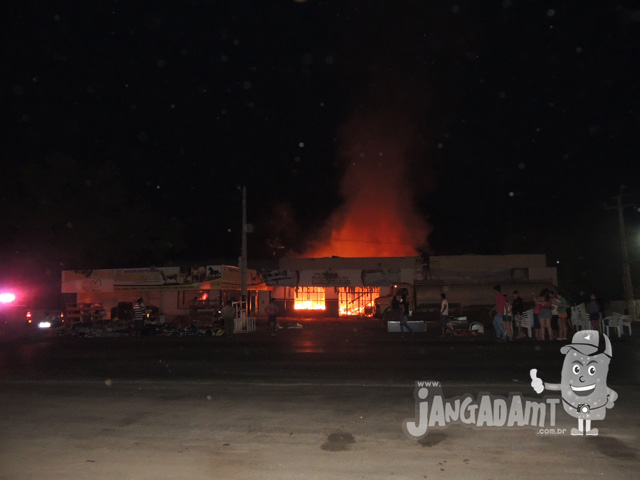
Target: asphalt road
x=325 y=401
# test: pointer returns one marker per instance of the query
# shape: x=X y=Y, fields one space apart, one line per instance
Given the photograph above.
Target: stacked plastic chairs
x=527 y=321
x=580 y=318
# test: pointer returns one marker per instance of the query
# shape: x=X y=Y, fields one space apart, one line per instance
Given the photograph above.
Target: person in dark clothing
x=272 y=313
x=595 y=312
x=139 y=315
x=405 y=315
x=517 y=309
x=228 y=316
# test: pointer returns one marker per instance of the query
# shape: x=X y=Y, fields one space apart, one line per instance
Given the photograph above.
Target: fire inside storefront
x=351 y=300
x=337 y=286
x=332 y=286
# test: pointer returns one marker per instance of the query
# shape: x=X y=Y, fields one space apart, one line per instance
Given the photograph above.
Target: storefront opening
x=357 y=300
x=310 y=298
x=352 y=301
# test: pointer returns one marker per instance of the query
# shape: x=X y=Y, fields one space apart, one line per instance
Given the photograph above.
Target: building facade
x=350 y=286
x=174 y=291
x=307 y=287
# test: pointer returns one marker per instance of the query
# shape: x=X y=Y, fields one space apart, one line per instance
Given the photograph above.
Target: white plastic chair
x=625 y=321
x=612 y=322
x=580 y=318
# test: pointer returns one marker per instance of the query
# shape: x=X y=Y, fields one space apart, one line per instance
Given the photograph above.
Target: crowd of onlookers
x=551 y=315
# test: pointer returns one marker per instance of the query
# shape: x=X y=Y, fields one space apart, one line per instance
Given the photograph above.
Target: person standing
x=595 y=312
x=444 y=313
x=499 y=309
x=554 y=314
x=394 y=312
x=272 y=313
x=543 y=304
x=405 y=315
x=139 y=314
x=517 y=310
x=507 y=319
x=563 y=316
x=228 y=316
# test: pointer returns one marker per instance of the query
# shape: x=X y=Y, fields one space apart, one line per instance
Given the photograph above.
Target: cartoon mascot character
x=583 y=384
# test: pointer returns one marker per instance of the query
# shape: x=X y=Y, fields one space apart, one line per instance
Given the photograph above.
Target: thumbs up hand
x=536 y=383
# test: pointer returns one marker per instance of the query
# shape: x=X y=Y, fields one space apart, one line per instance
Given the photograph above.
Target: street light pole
x=626 y=270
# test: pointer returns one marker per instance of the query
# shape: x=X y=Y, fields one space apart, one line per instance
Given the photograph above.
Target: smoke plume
x=383 y=156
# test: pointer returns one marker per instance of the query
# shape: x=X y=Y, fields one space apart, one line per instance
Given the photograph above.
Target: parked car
x=17 y=318
x=44 y=318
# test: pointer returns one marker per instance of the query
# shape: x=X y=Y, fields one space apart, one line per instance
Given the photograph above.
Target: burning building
x=336 y=286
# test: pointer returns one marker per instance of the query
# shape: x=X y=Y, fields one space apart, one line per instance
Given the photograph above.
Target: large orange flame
x=378 y=217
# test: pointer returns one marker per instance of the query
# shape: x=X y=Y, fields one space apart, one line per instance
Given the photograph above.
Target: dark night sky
x=128 y=126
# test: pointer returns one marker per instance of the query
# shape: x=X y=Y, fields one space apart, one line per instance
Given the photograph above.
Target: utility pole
x=626 y=270
x=243 y=260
